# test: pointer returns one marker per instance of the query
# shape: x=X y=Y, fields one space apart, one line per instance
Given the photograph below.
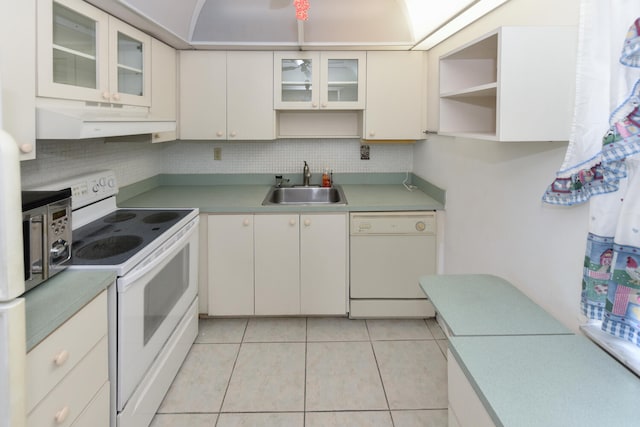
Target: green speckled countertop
x=244 y=194
x=51 y=303
x=483 y=304
x=548 y=381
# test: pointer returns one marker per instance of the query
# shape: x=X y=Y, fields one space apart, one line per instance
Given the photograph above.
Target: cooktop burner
x=108 y=247
x=116 y=237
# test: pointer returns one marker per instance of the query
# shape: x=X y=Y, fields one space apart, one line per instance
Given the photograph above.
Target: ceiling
x=272 y=24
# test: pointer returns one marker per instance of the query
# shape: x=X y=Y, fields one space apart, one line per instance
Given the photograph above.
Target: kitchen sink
x=312 y=195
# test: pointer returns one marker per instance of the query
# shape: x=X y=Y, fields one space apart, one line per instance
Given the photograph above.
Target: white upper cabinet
x=226 y=95
x=85 y=54
x=18 y=74
x=514 y=84
x=395 y=99
x=319 y=80
x=164 y=86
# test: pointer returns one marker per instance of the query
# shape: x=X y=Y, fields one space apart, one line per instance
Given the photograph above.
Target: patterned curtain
x=602 y=160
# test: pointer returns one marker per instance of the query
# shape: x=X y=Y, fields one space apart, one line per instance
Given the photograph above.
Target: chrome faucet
x=306 y=174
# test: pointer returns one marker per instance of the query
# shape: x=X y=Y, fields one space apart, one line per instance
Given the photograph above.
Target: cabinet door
x=323 y=264
x=230 y=262
x=203 y=95
x=163 y=86
x=129 y=64
x=277 y=265
x=394 y=96
x=250 y=113
x=342 y=80
x=72 y=50
x=18 y=71
x=296 y=80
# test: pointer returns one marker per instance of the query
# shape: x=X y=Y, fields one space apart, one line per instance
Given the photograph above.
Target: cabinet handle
x=62 y=415
x=292 y=222
x=245 y=222
x=307 y=222
x=233 y=134
x=26 y=148
x=61 y=358
x=219 y=133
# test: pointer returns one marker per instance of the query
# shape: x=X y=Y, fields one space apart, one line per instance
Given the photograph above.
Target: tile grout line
x=233 y=368
x=304 y=393
x=375 y=357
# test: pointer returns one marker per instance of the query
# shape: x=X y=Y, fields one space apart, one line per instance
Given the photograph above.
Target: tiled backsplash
x=136 y=161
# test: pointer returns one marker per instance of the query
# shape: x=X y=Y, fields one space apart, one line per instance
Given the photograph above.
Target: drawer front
x=97 y=413
x=54 y=357
x=69 y=398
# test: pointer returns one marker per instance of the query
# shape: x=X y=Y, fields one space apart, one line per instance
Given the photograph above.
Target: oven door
x=152 y=299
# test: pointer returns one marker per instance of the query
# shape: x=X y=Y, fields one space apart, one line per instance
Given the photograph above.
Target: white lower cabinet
x=230 y=263
x=68 y=374
x=282 y=264
x=323 y=264
x=277 y=267
x=465 y=407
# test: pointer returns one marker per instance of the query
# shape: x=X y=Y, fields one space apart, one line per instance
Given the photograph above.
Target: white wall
x=495 y=221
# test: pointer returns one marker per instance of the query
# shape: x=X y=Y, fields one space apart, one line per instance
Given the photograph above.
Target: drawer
x=69 y=398
x=55 y=356
x=97 y=413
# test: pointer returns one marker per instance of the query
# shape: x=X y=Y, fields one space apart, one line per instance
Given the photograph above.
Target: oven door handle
x=160 y=256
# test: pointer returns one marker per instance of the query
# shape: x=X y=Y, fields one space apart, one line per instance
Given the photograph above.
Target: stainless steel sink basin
x=305 y=196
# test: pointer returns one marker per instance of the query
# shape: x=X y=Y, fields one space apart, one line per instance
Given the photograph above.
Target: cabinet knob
x=307 y=222
x=292 y=222
x=61 y=358
x=26 y=148
x=324 y=105
x=106 y=95
x=233 y=134
x=219 y=133
x=116 y=97
x=245 y=222
x=62 y=415
x=314 y=105
x=372 y=133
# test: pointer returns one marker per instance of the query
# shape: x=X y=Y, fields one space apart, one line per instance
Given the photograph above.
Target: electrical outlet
x=217 y=153
x=364 y=152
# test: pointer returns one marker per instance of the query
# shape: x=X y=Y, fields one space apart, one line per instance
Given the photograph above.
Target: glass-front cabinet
x=85 y=54
x=319 y=80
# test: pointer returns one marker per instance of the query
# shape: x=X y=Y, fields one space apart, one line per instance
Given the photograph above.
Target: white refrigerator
x=12 y=306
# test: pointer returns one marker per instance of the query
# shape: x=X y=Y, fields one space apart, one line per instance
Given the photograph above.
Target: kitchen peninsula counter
x=510 y=363
x=237 y=194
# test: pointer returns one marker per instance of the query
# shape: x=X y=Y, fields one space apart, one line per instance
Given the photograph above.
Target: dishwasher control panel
x=398 y=223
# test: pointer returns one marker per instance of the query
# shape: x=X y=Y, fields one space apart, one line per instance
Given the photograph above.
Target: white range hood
x=64 y=122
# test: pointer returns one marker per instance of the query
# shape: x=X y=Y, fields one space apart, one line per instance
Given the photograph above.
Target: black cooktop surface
x=114 y=238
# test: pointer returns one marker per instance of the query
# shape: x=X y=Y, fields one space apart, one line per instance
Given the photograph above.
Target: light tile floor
x=311 y=372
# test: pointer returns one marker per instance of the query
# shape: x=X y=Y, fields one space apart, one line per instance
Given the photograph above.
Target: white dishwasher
x=389 y=253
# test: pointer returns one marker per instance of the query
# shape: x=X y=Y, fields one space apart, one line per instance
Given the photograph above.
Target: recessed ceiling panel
x=175 y=16
x=241 y=21
x=357 y=21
